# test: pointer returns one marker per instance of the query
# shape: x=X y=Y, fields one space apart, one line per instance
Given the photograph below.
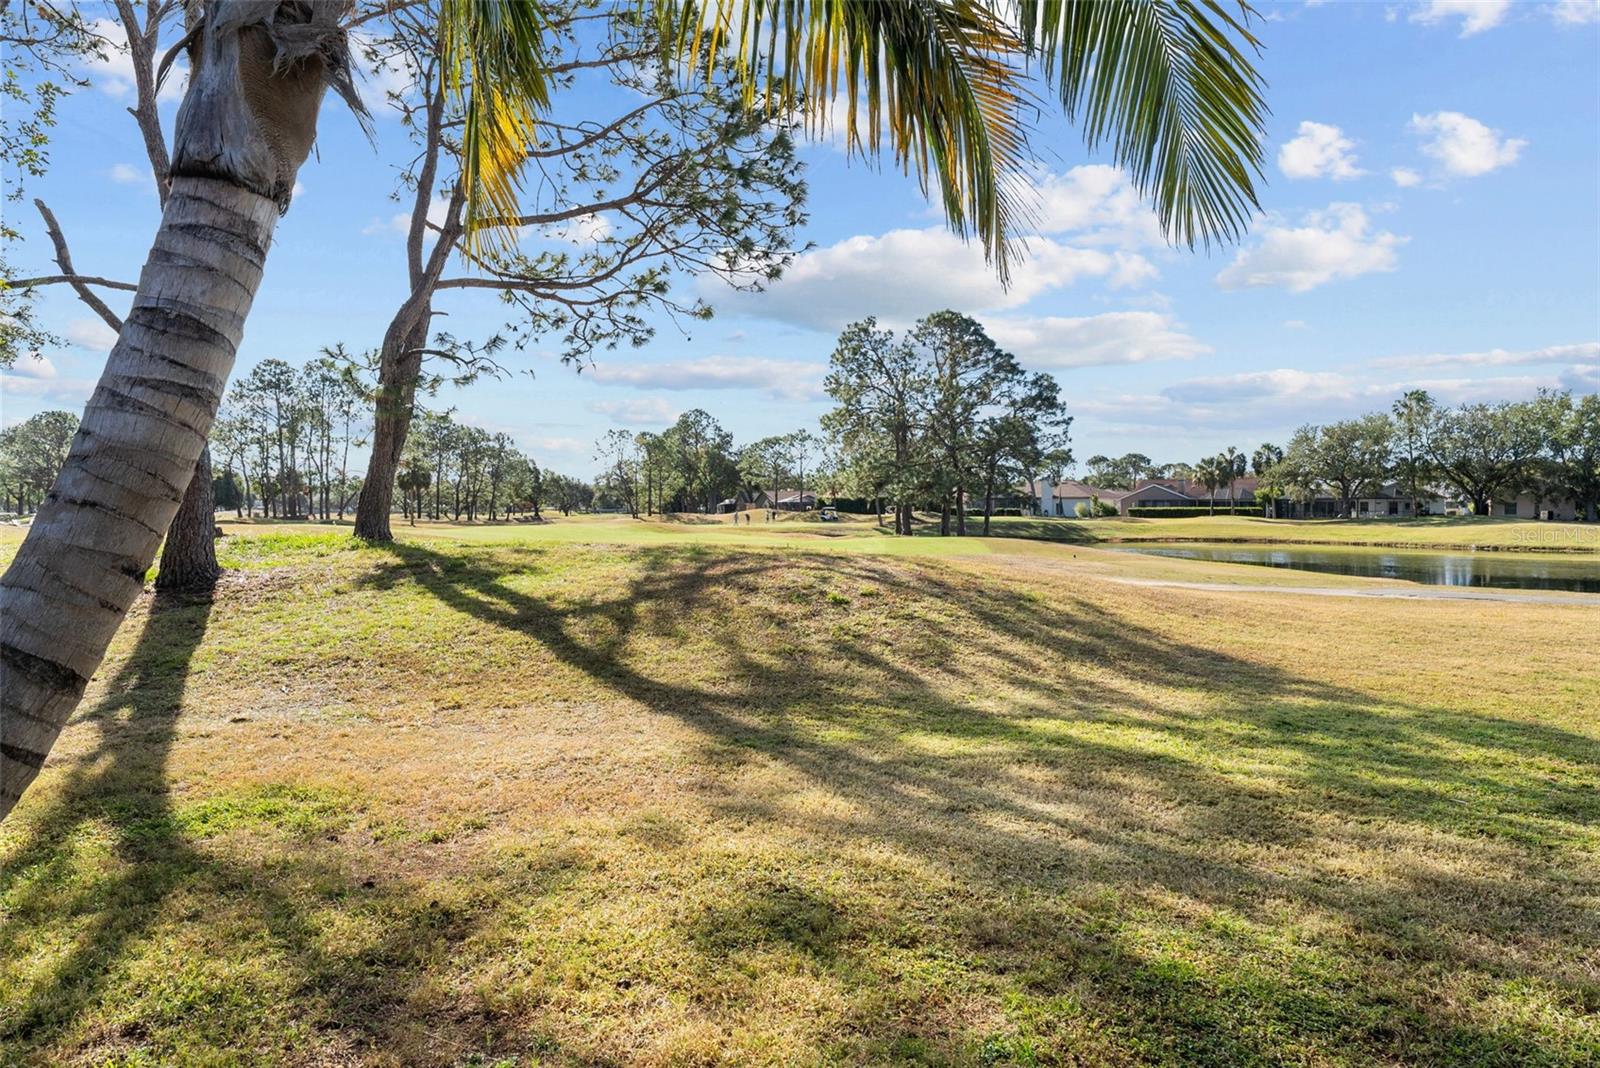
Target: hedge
x=1187 y=513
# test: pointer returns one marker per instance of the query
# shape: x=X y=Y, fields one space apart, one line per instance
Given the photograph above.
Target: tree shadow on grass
x=112 y=871
x=1061 y=827
x=1080 y=819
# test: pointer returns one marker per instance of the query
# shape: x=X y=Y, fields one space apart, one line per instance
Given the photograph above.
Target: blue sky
x=1431 y=218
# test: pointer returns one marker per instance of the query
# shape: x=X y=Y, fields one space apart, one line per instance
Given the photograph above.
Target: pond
x=1507 y=570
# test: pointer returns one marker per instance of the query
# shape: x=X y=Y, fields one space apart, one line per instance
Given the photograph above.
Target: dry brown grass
x=693 y=805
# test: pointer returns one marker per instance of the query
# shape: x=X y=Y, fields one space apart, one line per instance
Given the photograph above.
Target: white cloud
x=1576 y=12
x=48 y=392
x=1275 y=400
x=128 y=174
x=1294 y=324
x=1585 y=379
x=400 y=221
x=796 y=380
x=1475 y=15
x=1464 y=146
x=1099 y=204
x=378 y=78
x=1320 y=151
x=903 y=275
x=91 y=334
x=33 y=365
x=582 y=230
x=113 y=74
x=640 y=411
x=1111 y=338
x=575 y=446
x=1587 y=352
x=1405 y=177
x=1282 y=383
x=299 y=188
x=1334 y=244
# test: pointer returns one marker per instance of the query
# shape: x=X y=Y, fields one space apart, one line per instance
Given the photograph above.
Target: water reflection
x=1520 y=571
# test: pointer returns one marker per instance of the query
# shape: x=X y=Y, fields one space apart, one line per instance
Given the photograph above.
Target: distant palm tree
x=1264 y=458
x=1168 y=85
x=1414 y=415
x=1234 y=461
x=1212 y=472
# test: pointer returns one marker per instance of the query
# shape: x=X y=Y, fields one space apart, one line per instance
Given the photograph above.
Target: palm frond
x=494 y=63
x=1169 y=84
x=937 y=80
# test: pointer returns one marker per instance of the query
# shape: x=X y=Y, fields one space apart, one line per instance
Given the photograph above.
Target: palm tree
x=1212 y=472
x=1234 y=461
x=1414 y=414
x=1167 y=84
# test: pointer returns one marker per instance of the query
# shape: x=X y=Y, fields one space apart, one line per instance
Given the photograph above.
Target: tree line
x=31 y=454
x=694 y=466
x=939 y=417
x=281 y=443
x=1546 y=448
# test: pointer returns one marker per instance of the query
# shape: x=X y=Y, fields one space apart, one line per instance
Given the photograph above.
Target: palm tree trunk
x=85 y=557
x=246 y=125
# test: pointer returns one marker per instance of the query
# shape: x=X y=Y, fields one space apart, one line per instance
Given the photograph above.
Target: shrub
x=1104 y=507
x=1082 y=510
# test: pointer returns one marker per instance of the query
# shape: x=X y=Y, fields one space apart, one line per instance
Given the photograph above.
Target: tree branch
x=72 y=278
x=57 y=279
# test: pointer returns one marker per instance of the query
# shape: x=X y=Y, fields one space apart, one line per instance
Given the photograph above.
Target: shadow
x=1069 y=846
x=118 y=782
x=1066 y=531
x=112 y=861
x=1026 y=797
x=775 y=913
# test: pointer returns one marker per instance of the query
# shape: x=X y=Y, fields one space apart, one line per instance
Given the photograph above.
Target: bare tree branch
x=57 y=279
x=72 y=278
x=141 y=52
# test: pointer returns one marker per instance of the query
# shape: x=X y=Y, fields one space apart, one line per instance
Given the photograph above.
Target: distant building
x=786 y=500
x=1063 y=498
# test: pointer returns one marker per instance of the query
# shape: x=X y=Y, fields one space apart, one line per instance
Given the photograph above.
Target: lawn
x=627 y=793
x=1436 y=532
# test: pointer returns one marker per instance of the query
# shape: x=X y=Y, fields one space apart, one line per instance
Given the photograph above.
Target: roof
x=1243 y=486
x=1083 y=489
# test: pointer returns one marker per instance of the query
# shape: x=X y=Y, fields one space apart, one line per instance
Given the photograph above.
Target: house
x=1525 y=507
x=1189 y=493
x=786 y=500
x=1063 y=498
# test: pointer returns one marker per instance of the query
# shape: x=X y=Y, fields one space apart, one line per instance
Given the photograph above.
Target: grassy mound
x=694 y=803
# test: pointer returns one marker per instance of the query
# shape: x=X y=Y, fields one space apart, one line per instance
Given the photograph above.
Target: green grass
x=1438 y=532
x=618 y=793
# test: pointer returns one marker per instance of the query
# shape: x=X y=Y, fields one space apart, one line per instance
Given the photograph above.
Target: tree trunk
x=85 y=556
x=245 y=126
x=398 y=368
x=189 y=556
